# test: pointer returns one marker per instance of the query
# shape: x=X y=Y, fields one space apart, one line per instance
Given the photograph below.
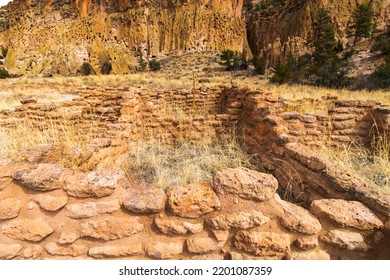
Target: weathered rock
x=306 y=156
x=71 y=250
x=203 y=245
x=262 y=243
x=10 y=208
x=378 y=237
x=27 y=229
x=93 y=184
x=307 y=243
x=248 y=184
x=346 y=213
x=115 y=251
x=299 y=219
x=9 y=251
x=310 y=255
x=68 y=237
x=164 y=250
x=345 y=239
x=193 y=201
x=100 y=143
x=145 y=199
x=49 y=202
x=42 y=177
x=91 y=209
x=172 y=225
x=241 y=220
x=110 y=228
x=221 y=235
x=33 y=252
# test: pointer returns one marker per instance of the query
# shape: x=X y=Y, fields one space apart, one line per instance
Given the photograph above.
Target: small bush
x=282 y=74
x=86 y=69
x=382 y=75
x=154 y=65
x=347 y=55
x=4 y=74
x=4 y=52
x=106 y=68
x=259 y=65
x=233 y=61
x=382 y=42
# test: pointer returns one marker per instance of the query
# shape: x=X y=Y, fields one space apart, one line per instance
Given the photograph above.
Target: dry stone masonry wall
x=51 y=212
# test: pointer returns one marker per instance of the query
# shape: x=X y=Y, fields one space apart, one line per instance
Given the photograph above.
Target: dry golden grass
x=372 y=165
x=185 y=163
x=70 y=142
x=182 y=73
x=201 y=69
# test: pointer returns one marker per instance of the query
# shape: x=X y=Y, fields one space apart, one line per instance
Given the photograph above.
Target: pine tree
x=322 y=38
x=362 y=22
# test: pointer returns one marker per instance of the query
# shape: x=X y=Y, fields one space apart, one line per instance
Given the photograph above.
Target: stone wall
x=51 y=212
x=347 y=122
x=278 y=139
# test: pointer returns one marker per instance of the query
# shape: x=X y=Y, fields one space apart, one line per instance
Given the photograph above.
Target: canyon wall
x=58 y=36
x=282 y=27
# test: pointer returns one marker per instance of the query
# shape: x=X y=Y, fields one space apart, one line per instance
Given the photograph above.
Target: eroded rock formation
x=58 y=36
x=282 y=27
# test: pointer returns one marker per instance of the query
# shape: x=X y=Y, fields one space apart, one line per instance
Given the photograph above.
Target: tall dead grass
x=372 y=164
x=184 y=163
x=71 y=143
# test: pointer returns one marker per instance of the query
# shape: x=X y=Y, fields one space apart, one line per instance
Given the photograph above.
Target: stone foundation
x=51 y=212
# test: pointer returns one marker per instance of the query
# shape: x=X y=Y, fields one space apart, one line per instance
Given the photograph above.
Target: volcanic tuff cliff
x=57 y=36
x=276 y=28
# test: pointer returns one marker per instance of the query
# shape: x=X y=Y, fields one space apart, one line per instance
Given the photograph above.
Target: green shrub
x=330 y=73
x=233 y=61
x=106 y=68
x=86 y=69
x=259 y=65
x=154 y=65
x=4 y=73
x=4 y=51
x=382 y=75
x=282 y=74
x=347 y=55
x=382 y=42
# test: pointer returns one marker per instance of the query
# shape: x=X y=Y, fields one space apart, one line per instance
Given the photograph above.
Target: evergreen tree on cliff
x=362 y=22
x=322 y=38
x=326 y=67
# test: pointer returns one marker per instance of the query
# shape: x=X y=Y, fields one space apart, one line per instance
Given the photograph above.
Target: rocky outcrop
x=58 y=36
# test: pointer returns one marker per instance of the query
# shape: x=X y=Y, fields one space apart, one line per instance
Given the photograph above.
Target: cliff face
x=57 y=36
x=276 y=28
x=3 y=26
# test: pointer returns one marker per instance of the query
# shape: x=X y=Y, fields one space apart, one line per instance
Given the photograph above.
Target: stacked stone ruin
x=50 y=212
